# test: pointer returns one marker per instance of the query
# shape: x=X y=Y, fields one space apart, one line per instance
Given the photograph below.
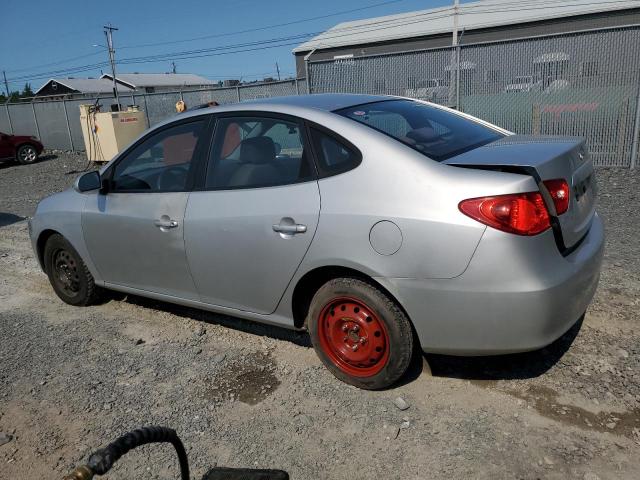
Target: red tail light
x=519 y=213
x=559 y=190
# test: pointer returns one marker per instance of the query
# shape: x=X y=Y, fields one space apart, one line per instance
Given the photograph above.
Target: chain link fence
x=57 y=122
x=584 y=84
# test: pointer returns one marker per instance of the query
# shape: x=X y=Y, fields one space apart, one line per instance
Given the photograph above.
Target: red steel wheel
x=360 y=333
x=353 y=337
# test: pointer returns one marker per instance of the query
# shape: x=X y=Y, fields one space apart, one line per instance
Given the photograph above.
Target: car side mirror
x=88 y=181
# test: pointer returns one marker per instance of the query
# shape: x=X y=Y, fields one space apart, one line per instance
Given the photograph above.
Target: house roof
x=86 y=85
x=473 y=15
x=141 y=80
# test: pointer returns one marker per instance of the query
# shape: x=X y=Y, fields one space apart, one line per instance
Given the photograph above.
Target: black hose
x=102 y=460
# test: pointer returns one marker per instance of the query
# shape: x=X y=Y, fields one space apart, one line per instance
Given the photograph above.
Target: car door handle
x=290 y=229
x=166 y=223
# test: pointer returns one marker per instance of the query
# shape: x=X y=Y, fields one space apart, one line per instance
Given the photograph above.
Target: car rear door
x=250 y=225
x=135 y=233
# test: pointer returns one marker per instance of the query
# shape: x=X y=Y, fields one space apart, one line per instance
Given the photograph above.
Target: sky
x=61 y=35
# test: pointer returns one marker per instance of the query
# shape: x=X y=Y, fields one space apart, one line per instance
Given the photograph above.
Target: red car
x=21 y=147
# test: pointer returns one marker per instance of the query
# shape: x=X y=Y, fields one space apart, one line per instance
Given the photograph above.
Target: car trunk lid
x=545 y=158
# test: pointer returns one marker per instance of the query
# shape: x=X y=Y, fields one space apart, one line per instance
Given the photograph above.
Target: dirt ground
x=242 y=394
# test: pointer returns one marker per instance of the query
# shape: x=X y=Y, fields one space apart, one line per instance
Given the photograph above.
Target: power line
x=196 y=53
x=59 y=62
x=221 y=50
x=67 y=71
x=215 y=54
x=174 y=55
x=214 y=49
x=266 y=27
x=79 y=69
x=329 y=35
x=164 y=56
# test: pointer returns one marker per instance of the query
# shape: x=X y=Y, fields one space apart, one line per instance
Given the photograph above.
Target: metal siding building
x=484 y=21
x=77 y=88
x=127 y=83
x=160 y=82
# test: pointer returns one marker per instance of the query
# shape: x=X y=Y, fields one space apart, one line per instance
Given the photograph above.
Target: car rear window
x=434 y=132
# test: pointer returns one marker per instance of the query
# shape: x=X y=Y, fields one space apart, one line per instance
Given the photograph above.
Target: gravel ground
x=241 y=394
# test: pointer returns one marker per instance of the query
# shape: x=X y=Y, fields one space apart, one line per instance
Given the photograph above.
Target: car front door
x=250 y=225
x=134 y=233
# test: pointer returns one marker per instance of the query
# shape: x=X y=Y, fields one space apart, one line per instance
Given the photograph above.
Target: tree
x=14 y=96
x=26 y=91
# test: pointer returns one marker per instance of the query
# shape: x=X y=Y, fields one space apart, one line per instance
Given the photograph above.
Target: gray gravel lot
x=241 y=394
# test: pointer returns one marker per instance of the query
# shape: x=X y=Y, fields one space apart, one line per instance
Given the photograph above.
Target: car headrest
x=423 y=135
x=257 y=150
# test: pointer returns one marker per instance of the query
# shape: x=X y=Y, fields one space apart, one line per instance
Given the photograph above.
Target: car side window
x=161 y=163
x=333 y=155
x=253 y=152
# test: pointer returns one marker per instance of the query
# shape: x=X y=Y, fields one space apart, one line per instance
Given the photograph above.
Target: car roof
x=321 y=101
x=327 y=102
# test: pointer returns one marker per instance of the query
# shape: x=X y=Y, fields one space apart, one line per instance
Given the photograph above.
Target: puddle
x=249 y=379
x=545 y=401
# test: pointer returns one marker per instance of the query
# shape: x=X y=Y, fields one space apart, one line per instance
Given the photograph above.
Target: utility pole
x=278 y=70
x=173 y=67
x=6 y=84
x=455 y=61
x=456 y=6
x=108 y=31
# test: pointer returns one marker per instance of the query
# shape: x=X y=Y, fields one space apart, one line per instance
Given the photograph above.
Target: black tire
x=371 y=310
x=68 y=274
x=26 y=154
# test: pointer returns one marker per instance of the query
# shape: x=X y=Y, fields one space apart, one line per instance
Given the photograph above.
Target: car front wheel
x=68 y=274
x=360 y=334
x=26 y=154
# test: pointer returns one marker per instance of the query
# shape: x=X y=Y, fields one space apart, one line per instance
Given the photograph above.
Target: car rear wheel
x=360 y=334
x=68 y=274
x=26 y=154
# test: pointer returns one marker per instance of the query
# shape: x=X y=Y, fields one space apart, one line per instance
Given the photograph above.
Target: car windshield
x=432 y=131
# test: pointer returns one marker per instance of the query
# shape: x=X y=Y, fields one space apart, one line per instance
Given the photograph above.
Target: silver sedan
x=382 y=225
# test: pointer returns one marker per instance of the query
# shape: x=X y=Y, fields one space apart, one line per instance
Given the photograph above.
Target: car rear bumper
x=517 y=294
